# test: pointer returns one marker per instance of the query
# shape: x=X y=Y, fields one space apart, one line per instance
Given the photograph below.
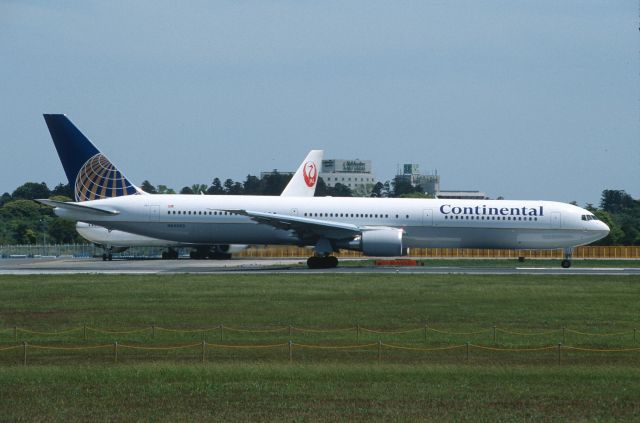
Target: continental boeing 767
x=375 y=226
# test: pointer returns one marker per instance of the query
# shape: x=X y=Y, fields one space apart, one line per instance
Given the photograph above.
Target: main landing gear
x=170 y=254
x=322 y=259
x=107 y=256
x=322 y=262
x=568 y=253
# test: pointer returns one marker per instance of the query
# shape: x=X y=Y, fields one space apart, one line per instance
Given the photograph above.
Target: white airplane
x=375 y=226
x=117 y=241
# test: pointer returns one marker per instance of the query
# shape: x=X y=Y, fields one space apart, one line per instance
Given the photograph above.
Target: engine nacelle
x=382 y=242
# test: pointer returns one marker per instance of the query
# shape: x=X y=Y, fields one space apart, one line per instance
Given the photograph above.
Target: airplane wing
x=78 y=207
x=304 y=226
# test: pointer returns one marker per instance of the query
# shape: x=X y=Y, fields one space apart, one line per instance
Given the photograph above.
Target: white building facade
x=354 y=174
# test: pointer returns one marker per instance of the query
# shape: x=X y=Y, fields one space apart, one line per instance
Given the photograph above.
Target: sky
x=524 y=100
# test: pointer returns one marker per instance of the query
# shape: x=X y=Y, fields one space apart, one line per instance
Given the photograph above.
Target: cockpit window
x=587 y=217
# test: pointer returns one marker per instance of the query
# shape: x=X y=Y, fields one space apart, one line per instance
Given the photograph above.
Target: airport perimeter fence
x=361 y=342
x=90 y=250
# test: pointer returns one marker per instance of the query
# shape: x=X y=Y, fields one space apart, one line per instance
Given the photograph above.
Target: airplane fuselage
x=426 y=223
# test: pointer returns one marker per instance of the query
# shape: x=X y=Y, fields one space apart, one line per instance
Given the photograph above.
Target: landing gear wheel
x=165 y=255
x=104 y=256
x=317 y=262
x=566 y=264
x=109 y=257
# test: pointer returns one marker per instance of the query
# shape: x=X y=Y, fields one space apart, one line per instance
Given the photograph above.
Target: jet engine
x=382 y=242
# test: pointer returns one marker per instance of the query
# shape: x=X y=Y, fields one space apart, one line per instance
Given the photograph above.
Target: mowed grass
x=263 y=385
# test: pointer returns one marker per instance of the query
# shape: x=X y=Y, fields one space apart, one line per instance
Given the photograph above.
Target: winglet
x=303 y=182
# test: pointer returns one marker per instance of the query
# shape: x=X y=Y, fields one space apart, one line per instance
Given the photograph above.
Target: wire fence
x=90 y=250
x=117 y=350
x=356 y=332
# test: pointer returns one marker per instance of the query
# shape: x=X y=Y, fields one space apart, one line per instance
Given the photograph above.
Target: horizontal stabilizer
x=78 y=207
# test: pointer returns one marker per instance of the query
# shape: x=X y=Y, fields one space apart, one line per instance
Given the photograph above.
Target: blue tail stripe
x=90 y=174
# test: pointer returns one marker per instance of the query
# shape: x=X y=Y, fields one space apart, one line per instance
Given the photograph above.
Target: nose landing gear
x=566 y=263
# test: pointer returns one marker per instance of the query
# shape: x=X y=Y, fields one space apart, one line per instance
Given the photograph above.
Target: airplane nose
x=602 y=230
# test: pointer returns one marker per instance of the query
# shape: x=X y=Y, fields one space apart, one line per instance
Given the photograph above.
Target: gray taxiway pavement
x=51 y=266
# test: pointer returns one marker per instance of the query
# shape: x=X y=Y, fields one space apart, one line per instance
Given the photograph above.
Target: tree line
x=24 y=221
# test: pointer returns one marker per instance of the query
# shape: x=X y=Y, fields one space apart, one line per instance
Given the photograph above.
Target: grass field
x=599 y=312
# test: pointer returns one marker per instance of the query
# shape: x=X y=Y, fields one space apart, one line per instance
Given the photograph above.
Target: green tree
x=251 y=185
x=62 y=232
x=24 y=209
x=148 y=187
x=215 y=188
x=6 y=197
x=186 y=190
x=402 y=186
x=274 y=183
x=378 y=190
x=616 y=234
x=616 y=201
x=31 y=191
x=163 y=189
x=198 y=188
x=62 y=190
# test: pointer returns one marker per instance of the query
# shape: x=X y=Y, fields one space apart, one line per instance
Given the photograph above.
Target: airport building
x=463 y=195
x=275 y=172
x=354 y=174
x=431 y=184
x=411 y=173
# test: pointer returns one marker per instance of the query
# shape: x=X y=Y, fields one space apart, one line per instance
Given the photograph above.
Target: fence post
x=379 y=351
x=494 y=334
x=290 y=351
x=559 y=352
x=84 y=332
x=24 y=348
x=204 y=349
x=115 y=352
x=289 y=331
x=425 y=332
x=467 y=351
x=221 y=332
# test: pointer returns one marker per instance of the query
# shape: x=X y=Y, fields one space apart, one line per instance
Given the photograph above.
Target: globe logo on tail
x=98 y=179
x=310 y=173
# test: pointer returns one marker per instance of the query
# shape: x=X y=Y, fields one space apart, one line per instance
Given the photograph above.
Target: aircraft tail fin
x=90 y=173
x=303 y=182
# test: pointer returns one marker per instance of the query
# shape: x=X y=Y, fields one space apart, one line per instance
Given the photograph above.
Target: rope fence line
x=280 y=329
x=480 y=332
x=596 y=334
x=335 y=347
x=483 y=347
x=360 y=347
x=391 y=331
x=59 y=332
x=358 y=329
x=509 y=332
x=402 y=347
x=117 y=332
x=349 y=329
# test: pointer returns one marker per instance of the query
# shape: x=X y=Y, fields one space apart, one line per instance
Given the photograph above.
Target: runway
x=52 y=266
